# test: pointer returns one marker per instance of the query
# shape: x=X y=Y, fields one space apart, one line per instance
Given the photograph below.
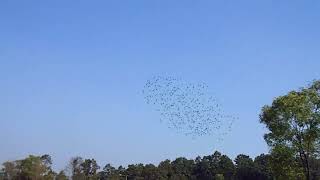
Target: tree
x=121 y=172
x=61 y=176
x=109 y=172
x=315 y=166
x=244 y=168
x=36 y=167
x=165 y=169
x=10 y=170
x=75 y=168
x=219 y=177
x=284 y=165
x=183 y=168
x=46 y=162
x=32 y=167
x=262 y=165
x=89 y=168
x=134 y=171
x=226 y=167
x=293 y=121
x=215 y=163
x=202 y=169
x=150 y=172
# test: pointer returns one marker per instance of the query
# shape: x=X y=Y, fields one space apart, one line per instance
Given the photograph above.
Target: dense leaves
x=293 y=121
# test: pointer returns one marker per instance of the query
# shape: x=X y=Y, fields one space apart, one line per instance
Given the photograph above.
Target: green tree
x=30 y=168
x=10 y=170
x=183 y=168
x=165 y=169
x=293 y=121
x=219 y=177
x=202 y=169
x=75 y=168
x=150 y=172
x=315 y=164
x=36 y=167
x=46 y=162
x=61 y=176
x=262 y=165
x=214 y=166
x=89 y=168
x=244 y=168
x=226 y=167
x=284 y=165
x=121 y=172
x=111 y=173
x=134 y=171
x=214 y=160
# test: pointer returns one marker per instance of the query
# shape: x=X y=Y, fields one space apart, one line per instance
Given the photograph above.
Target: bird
x=186 y=107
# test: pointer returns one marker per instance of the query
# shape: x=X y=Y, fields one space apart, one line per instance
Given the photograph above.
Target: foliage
x=32 y=167
x=280 y=164
x=293 y=121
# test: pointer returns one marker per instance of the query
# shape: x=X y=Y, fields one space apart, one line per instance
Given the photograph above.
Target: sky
x=72 y=73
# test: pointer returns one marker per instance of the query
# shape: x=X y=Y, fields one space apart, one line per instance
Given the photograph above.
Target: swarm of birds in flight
x=186 y=107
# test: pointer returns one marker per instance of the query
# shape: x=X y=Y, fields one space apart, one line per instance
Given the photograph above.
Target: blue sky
x=71 y=72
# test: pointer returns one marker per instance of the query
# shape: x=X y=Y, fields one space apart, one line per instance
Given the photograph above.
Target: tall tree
x=10 y=170
x=134 y=171
x=89 y=168
x=315 y=164
x=32 y=167
x=61 y=176
x=165 y=169
x=75 y=168
x=293 y=121
x=150 y=172
x=183 y=168
x=226 y=167
x=107 y=172
x=262 y=165
x=284 y=165
x=36 y=167
x=202 y=169
x=244 y=168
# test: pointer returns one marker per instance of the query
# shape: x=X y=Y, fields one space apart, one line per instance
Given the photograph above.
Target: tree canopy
x=293 y=121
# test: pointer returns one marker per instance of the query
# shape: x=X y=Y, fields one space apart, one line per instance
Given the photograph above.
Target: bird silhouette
x=187 y=107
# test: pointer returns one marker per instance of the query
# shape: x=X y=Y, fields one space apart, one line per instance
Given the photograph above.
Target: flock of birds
x=187 y=108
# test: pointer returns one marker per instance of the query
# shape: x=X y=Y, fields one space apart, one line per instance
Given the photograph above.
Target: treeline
x=293 y=123
x=212 y=167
